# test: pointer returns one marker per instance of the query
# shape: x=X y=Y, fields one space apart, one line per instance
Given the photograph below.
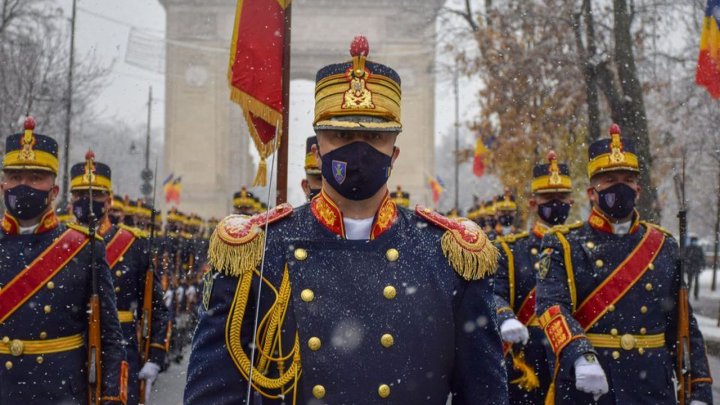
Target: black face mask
x=506 y=220
x=481 y=222
x=492 y=222
x=357 y=170
x=114 y=219
x=554 y=212
x=313 y=193
x=129 y=221
x=617 y=201
x=25 y=203
x=81 y=210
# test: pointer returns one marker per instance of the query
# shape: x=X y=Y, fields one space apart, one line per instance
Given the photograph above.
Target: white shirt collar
x=622 y=228
x=358 y=229
x=28 y=230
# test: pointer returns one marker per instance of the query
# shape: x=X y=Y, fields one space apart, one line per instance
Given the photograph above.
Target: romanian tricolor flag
x=437 y=188
x=173 y=188
x=255 y=73
x=708 y=70
x=480 y=158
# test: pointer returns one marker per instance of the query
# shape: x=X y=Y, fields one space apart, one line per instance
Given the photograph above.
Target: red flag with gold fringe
x=256 y=72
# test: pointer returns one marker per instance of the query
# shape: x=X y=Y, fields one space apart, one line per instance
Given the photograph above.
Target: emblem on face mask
x=610 y=199
x=339 y=170
x=547 y=211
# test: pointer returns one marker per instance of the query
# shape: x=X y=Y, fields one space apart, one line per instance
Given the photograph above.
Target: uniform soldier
x=244 y=202
x=116 y=212
x=361 y=301
x=129 y=211
x=607 y=296
x=46 y=287
x=138 y=291
x=526 y=351
x=400 y=198
x=505 y=211
x=312 y=182
x=491 y=222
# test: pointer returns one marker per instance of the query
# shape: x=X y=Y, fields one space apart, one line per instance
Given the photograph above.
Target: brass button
x=611 y=308
x=392 y=255
x=8 y=365
x=384 y=391
x=615 y=354
x=314 y=343
x=117 y=289
x=590 y=245
x=118 y=273
x=300 y=254
x=47 y=309
x=387 y=340
x=17 y=347
x=643 y=309
x=121 y=258
x=613 y=332
x=39 y=359
x=627 y=342
x=599 y=263
x=307 y=295
x=50 y=285
x=651 y=266
x=6 y=340
x=318 y=391
x=43 y=335
x=643 y=331
x=641 y=351
x=533 y=251
x=649 y=286
x=537 y=265
x=389 y=292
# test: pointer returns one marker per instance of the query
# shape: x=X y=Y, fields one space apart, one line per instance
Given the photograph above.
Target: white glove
x=590 y=377
x=149 y=372
x=696 y=402
x=513 y=331
x=148 y=390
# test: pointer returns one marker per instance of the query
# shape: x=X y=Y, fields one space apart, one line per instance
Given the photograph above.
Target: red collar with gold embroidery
x=539 y=230
x=327 y=212
x=601 y=223
x=11 y=226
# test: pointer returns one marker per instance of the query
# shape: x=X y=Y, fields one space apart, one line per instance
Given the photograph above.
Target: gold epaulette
x=565 y=229
x=83 y=229
x=237 y=244
x=464 y=244
x=186 y=235
x=137 y=232
x=658 y=227
x=513 y=237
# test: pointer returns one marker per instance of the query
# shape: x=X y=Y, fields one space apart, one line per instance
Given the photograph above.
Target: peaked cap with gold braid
x=357 y=95
x=31 y=151
x=552 y=177
x=612 y=154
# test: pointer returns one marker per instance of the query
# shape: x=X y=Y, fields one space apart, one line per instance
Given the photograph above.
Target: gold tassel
x=261 y=176
x=529 y=380
x=550 y=397
x=235 y=260
x=470 y=264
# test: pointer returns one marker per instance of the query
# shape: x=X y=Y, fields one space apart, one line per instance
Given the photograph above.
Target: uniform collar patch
x=11 y=226
x=329 y=215
x=600 y=222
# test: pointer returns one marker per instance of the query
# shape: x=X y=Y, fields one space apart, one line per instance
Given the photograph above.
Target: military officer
x=607 y=295
x=505 y=211
x=244 y=202
x=361 y=301
x=491 y=223
x=400 y=198
x=312 y=182
x=526 y=347
x=46 y=287
x=116 y=212
x=128 y=255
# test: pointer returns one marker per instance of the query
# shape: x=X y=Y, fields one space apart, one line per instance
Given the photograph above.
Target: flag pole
x=282 y=168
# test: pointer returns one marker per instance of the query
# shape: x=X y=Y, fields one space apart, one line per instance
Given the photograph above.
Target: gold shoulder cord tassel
x=473 y=261
x=529 y=380
x=286 y=380
x=236 y=260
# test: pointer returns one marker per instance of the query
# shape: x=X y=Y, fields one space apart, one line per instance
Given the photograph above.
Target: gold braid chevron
x=267 y=341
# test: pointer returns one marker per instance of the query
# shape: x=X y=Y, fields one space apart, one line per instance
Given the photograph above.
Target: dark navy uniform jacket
x=386 y=320
x=511 y=291
x=129 y=274
x=649 y=308
x=58 y=309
